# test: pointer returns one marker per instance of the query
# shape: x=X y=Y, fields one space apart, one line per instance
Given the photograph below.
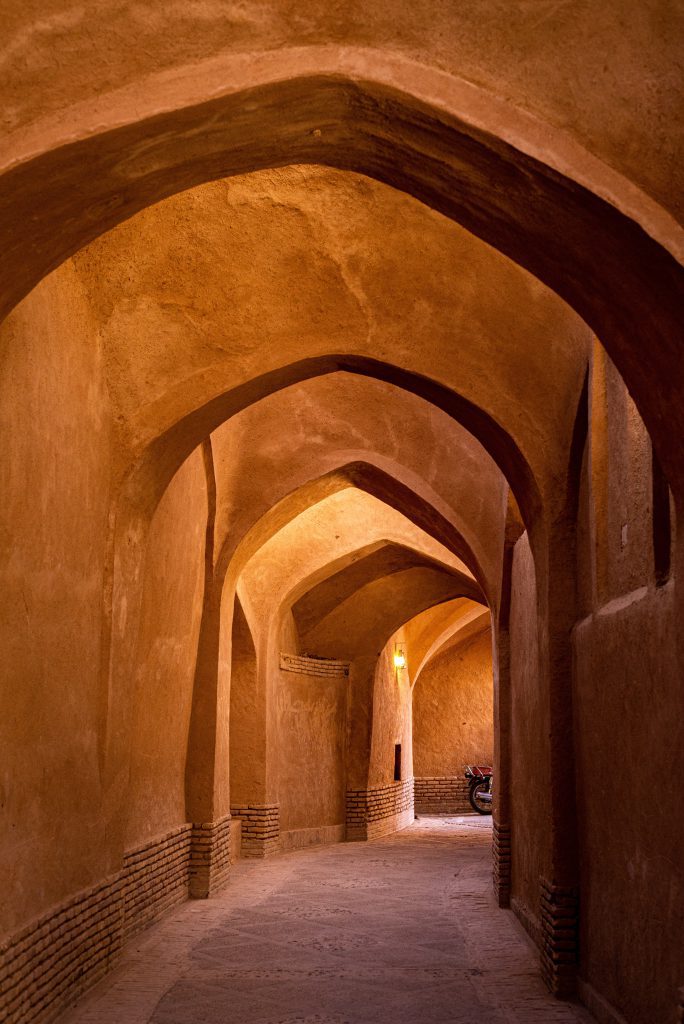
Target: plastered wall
x=247 y=716
x=629 y=734
x=528 y=783
x=629 y=761
x=54 y=493
x=391 y=718
x=165 y=657
x=621 y=503
x=452 y=709
x=311 y=717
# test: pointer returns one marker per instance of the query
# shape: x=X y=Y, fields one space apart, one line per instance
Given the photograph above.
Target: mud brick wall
x=154 y=878
x=441 y=795
x=377 y=812
x=260 y=829
x=51 y=962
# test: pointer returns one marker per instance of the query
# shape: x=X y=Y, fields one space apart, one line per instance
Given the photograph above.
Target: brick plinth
x=260 y=829
x=155 y=877
x=559 y=908
x=209 y=857
x=50 y=963
x=446 y=794
x=501 y=849
x=377 y=812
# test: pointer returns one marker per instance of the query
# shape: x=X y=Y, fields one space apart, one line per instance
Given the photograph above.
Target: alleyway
x=400 y=930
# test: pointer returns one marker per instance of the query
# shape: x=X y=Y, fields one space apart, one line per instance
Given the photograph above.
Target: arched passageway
x=301 y=395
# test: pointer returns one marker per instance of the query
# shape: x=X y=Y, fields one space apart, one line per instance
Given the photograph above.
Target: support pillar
x=209 y=857
x=501 y=833
x=260 y=829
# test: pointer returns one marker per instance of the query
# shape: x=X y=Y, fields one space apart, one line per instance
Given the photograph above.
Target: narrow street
x=400 y=930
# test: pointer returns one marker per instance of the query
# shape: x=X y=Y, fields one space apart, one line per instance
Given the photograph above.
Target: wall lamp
x=399 y=656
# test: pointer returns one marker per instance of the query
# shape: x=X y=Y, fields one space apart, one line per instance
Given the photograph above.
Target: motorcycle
x=480 y=780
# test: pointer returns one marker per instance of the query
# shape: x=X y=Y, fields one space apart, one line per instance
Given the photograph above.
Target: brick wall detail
x=51 y=963
x=446 y=794
x=501 y=857
x=372 y=813
x=209 y=857
x=309 y=665
x=154 y=878
x=559 y=908
x=260 y=829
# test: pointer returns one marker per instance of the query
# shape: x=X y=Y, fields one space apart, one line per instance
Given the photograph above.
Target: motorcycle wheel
x=479 y=805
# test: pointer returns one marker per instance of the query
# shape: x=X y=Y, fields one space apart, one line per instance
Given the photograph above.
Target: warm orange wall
x=166 y=655
x=247 y=725
x=312 y=719
x=529 y=790
x=453 y=709
x=54 y=491
x=630 y=762
x=629 y=732
x=391 y=718
x=620 y=459
x=311 y=716
x=307 y=739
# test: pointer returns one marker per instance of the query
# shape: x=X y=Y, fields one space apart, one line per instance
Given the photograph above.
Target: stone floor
x=403 y=929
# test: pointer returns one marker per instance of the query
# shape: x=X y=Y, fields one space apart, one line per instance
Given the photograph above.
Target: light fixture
x=399 y=656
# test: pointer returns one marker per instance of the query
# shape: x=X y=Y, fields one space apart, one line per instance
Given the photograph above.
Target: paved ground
x=402 y=930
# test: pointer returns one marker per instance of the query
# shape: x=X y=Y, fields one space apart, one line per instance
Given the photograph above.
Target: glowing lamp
x=399 y=657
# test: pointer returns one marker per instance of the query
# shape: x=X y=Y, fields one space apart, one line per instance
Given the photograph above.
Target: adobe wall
x=629 y=737
x=311 y=714
x=54 y=487
x=79 y=882
x=384 y=804
x=391 y=718
x=619 y=490
x=528 y=783
x=247 y=714
x=165 y=656
x=630 y=760
x=452 y=723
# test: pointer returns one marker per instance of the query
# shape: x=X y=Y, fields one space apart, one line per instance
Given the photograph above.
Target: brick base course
x=50 y=963
x=260 y=829
x=372 y=813
x=209 y=857
x=447 y=794
x=559 y=918
x=501 y=851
